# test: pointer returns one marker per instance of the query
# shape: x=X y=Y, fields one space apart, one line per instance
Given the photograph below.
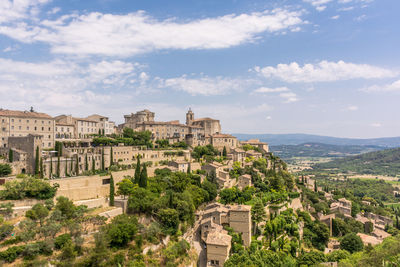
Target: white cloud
x=352 y=108
x=361 y=18
x=319 y=5
x=205 y=85
x=271 y=90
x=324 y=71
x=12 y=10
x=392 y=87
x=376 y=124
x=66 y=85
x=137 y=33
x=268 y=118
x=335 y=17
x=289 y=97
x=346 y=8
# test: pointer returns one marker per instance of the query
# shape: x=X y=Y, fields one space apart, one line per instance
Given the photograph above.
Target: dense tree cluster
x=28 y=188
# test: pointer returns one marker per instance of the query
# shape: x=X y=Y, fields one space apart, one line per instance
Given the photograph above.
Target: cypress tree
x=77 y=166
x=315 y=186
x=70 y=166
x=51 y=167
x=41 y=168
x=103 y=132
x=143 y=177
x=86 y=163
x=111 y=157
x=188 y=169
x=58 y=166
x=10 y=155
x=137 y=171
x=99 y=131
x=37 y=161
x=93 y=165
x=66 y=167
x=112 y=189
x=102 y=159
x=224 y=153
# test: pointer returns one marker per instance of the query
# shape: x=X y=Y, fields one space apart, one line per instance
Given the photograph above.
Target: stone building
x=217 y=240
x=133 y=119
x=24 y=149
x=14 y=123
x=103 y=124
x=343 y=206
x=244 y=181
x=256 y=143
x=219 y=141
x=83 y=127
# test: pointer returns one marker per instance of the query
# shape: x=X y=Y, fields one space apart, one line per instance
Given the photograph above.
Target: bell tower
x=189 y=117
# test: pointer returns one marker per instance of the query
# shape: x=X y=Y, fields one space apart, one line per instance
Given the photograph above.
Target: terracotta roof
x=204 y=119
x=368 y=239
x=222 y=136
x=218 y=238
x=23 y=114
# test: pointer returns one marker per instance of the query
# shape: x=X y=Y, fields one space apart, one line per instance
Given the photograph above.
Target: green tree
x=37 y=161
x=5 y=169
x=121 y=230
x=77 y=165
x=10 y=155
x=93 y=165
x=351 y=242
x=111 y=157
x=38 y=213
x=125 y=187
x=258 y=213
x=66 y=207
x=137 y=171
x=86 y=163
x=224 y=153
x=169 y=218
x=112 y=190
x=58 y=167
x=102 y=160
x=41 y=168
x=66 y=167
x=51 y=167
x=143 y=177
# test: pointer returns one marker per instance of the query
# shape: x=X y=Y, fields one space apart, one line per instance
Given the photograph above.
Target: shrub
x=5 y=230
x=11 y=253
x=61 y=240
x=5 y=169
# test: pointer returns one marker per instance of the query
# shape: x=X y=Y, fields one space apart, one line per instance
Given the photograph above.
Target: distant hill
x=297 y=139
x=385 y=162
x=321 y=150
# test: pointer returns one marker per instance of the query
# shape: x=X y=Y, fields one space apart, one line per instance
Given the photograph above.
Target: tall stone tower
x=189 y=117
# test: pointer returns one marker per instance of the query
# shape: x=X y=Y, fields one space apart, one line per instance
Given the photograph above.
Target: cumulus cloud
x=376 y=124
x=264 y=90
x=64 y=85
x=136 y=33
x=324 y=71
x=205 y=85
x=392 y=87
x=320 y=5
x=335 y=17
x=289 y=97
x=13 y=10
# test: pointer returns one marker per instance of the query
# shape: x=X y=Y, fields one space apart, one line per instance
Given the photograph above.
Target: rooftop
x=24 y=114
x=220 y=238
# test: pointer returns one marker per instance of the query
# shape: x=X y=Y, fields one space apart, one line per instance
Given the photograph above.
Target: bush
x=5 y=231
x=28 y=188
x=5 y=169
x=351 y=242
x=61 y=240
x=11 y=253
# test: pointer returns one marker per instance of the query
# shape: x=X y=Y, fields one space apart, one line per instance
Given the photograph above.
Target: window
x=49 y=144
x=12 y=120
x=4 y=129
x=42 y=128
x=107 y=181
x=35 y=128
x=42 y=122
x=56 y=129
x=27 y=127
x=49 y=129
x=19 y=127
x=27 y=121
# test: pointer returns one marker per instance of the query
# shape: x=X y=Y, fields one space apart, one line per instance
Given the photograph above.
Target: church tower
x=189 y=117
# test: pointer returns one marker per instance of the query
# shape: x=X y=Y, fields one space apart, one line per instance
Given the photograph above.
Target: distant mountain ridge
x=384 y=162
x=297 y=139
x=321 y=150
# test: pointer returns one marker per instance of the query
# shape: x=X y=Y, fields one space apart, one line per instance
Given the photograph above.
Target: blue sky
x=328 y=67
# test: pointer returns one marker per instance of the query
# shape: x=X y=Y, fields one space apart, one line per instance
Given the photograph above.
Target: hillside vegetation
x=321 y=150
x=385 y=162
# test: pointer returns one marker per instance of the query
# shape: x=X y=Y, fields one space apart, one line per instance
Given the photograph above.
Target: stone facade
x=22 y=123
x=27 y=145
x=133 y=119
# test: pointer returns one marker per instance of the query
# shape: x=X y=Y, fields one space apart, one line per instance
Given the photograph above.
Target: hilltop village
x=152 y=193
